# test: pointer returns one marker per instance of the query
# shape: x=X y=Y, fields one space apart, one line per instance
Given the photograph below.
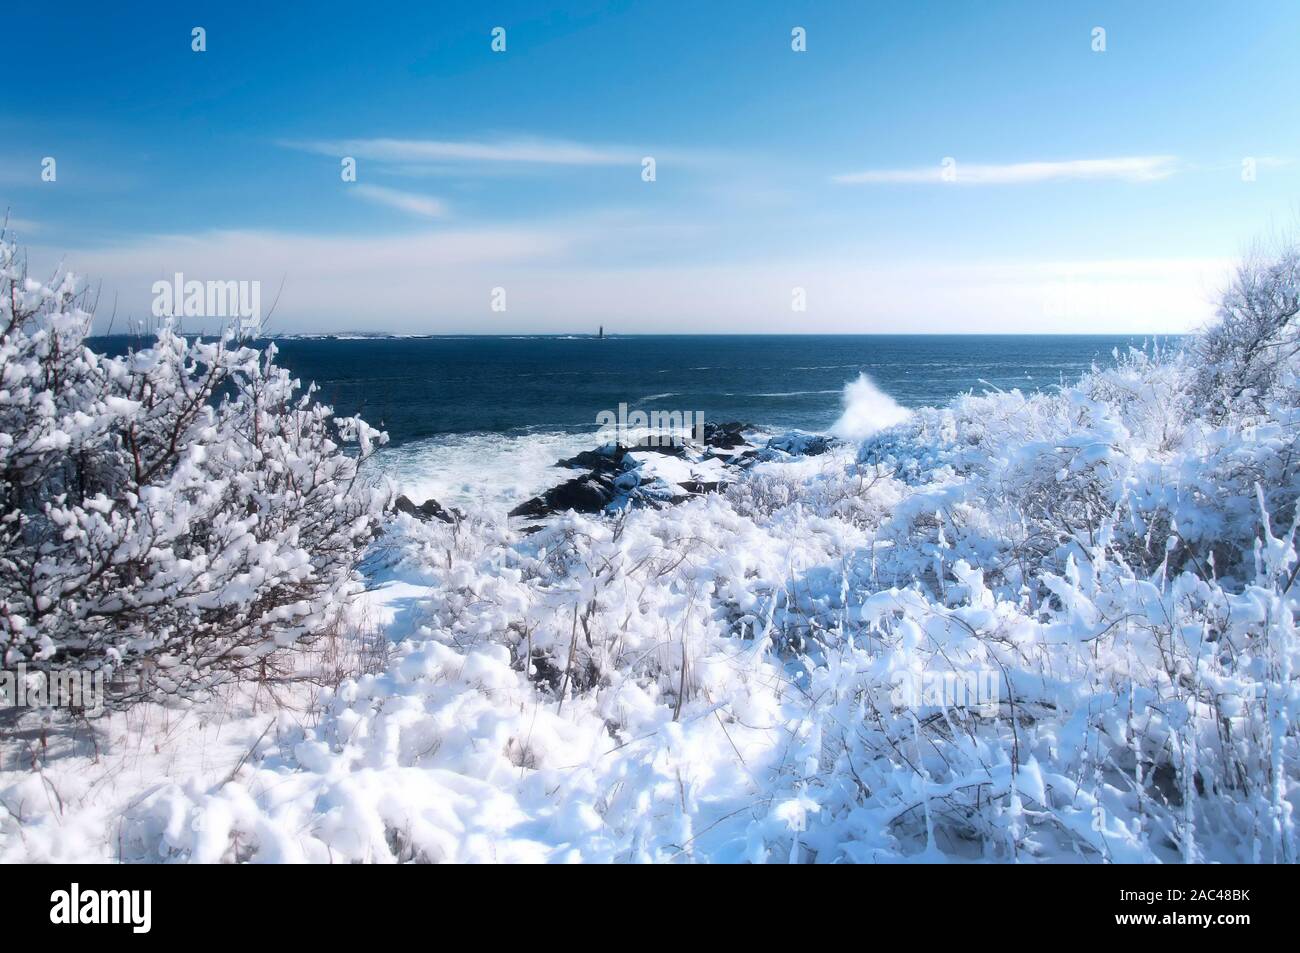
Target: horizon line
x=586 y=335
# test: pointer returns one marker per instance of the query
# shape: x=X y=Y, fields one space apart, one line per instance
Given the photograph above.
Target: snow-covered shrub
x=1250 y=352
x=173 y=515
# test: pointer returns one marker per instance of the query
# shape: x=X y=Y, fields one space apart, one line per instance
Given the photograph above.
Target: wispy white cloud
x=524 y=151
x=1124 y=168
x=424 y=206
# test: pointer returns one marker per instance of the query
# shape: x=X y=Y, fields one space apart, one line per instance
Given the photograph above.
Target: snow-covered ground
x=1056 y=627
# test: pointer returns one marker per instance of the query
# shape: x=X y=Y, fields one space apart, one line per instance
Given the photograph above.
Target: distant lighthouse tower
x=601 y=335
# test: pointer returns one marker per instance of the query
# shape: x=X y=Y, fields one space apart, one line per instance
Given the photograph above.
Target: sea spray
x=480 y=471
x=867 y=410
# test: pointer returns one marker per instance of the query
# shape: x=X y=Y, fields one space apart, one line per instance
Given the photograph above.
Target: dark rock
x=431 y=509
x=606 y=458
x=585 y=494
x=428 y=510
x=650 y=445
x=698 y=486
x=612 y=475
x=730 y=457
x=802 y=444
x=726 y=435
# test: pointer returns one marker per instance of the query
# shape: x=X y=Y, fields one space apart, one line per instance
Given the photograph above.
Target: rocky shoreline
x=648 y=473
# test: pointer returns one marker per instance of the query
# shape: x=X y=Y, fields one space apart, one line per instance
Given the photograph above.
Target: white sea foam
x=481 y=471
x=795 y=393
x=867 y=410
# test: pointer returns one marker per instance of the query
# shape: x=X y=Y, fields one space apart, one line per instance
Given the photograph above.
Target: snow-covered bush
x=1249 y=353
x=173 y=515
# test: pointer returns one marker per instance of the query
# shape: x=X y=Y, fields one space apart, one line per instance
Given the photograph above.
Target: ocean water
x=478 y=420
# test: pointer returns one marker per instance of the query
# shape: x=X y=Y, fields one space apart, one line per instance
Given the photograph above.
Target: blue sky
x=1095 y=191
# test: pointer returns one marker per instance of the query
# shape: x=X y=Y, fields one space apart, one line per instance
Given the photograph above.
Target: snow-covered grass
x=1051 y=627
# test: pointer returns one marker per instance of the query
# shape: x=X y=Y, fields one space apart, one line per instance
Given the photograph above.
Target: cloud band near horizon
x=952 y=171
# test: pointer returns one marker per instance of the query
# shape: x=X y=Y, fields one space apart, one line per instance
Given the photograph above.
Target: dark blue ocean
x=481 y=420
x=422 y=387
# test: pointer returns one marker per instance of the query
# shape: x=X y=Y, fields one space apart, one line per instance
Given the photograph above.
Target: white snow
x=677 y=470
